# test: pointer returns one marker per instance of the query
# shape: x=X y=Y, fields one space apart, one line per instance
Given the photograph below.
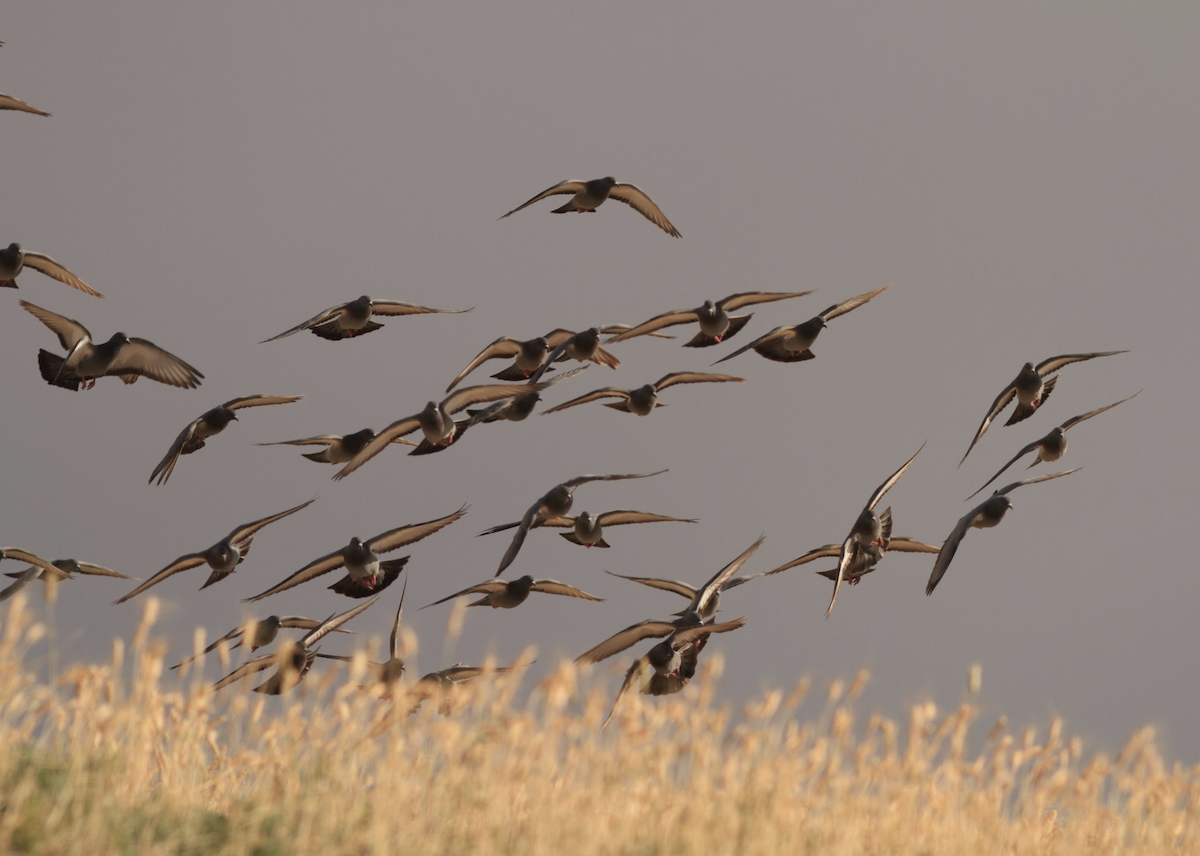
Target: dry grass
x=118 y=759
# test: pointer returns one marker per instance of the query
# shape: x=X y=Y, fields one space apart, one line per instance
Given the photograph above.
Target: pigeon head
x=522 y=584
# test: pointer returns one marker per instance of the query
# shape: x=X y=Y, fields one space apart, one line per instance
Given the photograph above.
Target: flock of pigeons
x=673 y=660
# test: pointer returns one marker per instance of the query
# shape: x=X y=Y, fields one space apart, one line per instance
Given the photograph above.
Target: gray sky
x=1025 y=175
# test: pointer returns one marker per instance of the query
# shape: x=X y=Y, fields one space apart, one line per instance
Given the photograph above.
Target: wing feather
x=556 y=587
x=694 y=377
x=69 y=331
x=750 y=298
x=319 y=318
x=42 y=263
x=571 y=186
x=853 y=303
x=142 y=357
x=618 y=642
x=183 y=563
x=594 y=395
x=639 y=201
x=402 y=536
x=8 y=102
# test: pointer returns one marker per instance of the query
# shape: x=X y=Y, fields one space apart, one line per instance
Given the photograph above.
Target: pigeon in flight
x=987 y=514
x=347 y=320
x=587 y=529
x=794 y=344
x=673 y=660
x=870 y=530
x=644 y=399
x=703 y=605
x=532 y=357
x=258 y=634
x=365 y=573
x=1030 y=388
x=192 y=437
x=291 y=660
x=435 y=420
x=507 y=594
x=223 y=557
x=590 y=195
x=553 y=504
x=338 y=449
x=63 y=569
x=1054 y=445
x=122 y=356
x=716 y=324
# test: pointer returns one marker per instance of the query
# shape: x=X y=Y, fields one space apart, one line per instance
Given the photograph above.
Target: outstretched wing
x=1034 y=480
x=594 y=395
x=250 y=667
x=259 y=400
x=68 y=330
x=555 y=587
x=486 y=587
x=766 y=338
x=636 y=198
x=8 y=102
x=749 y=298
x=676 y=586
x=578 y=480
x=505 y=346
x=694 y=377
x=183 y=563
x=621 y=517
x=618 y=642
x=999 y=404
x=319 y=318
x=658 y=322
x=313 y=569
x=891 y=481
x=950 y=547
x=402 y=536
x=333 y=622
x=1025 y=451
x=247 y=530
x=469 y=395
x=44 y=264
x=630 y=676
x=1050 y=366
x=382 y=440
x=142 y=357
x=570 y=186
x=1075 y=420
x=828 y=551
x=167 y=465
x=711 y=588
x=395 y=307
x=853 y=303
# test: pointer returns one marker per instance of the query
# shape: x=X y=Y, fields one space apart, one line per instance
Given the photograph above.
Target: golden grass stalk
x=120 y=758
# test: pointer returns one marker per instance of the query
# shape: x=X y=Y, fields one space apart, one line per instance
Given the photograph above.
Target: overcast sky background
x=1024 y=174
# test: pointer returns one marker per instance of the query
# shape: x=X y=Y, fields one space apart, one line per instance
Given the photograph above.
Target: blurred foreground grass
x=117 y=758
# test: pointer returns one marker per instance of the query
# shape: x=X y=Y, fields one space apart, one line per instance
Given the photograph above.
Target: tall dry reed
x=118 y=758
